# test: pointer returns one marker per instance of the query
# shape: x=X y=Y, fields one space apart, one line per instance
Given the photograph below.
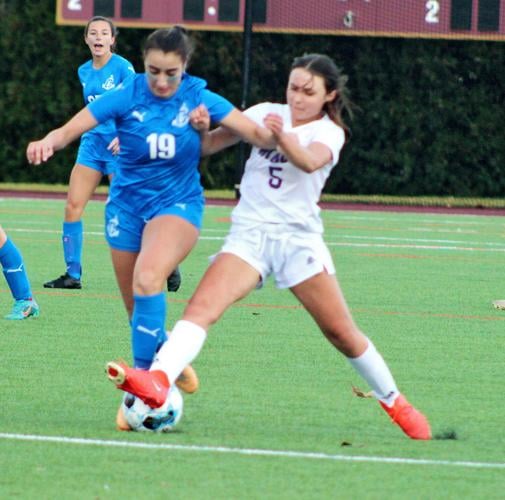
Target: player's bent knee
x=147 y=283
x=73 y=211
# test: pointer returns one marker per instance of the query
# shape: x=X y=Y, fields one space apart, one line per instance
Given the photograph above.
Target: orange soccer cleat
x=149 y=386
x=411 y=421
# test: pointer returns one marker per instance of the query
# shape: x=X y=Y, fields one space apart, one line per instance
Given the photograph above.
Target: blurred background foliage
x=431 y=116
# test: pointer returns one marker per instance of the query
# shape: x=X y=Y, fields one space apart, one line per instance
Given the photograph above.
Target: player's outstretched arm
x=249 y=131
x=234 y=127
x=40 y=151
x=211 y=141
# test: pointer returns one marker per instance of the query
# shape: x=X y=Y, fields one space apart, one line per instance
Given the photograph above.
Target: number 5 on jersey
x=275 y=180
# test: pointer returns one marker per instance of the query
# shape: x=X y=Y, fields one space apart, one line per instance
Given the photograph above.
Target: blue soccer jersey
x=96 y=82
x=160 y=150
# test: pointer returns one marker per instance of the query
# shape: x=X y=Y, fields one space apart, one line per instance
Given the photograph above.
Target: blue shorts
x=93 y=153
x=123 y=229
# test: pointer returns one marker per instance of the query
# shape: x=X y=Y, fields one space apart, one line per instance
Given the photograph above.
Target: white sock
x=181 y=348
x=372 y=367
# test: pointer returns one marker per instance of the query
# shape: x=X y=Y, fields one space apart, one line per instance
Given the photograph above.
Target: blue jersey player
x=96 y=156
x=13 y=267
x=156 y=202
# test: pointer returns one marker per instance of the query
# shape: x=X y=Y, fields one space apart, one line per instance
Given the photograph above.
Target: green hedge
x=431 y=118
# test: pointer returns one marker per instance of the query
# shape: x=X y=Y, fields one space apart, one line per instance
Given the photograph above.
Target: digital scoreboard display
x=450 y=19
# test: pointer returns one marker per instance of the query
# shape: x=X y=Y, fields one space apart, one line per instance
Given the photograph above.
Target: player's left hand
x=200 y=118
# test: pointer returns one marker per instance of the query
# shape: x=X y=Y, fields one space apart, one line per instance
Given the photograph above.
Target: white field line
x=458 y=219
x=48 y=231
x=329 y=213
x=418 y=240
x=415 y=247
x=340 y=244
x=252 y=451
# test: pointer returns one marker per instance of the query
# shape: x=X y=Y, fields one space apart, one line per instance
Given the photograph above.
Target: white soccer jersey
x=272 y=189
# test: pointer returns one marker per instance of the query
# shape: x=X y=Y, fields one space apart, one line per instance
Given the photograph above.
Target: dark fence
x=431 y=116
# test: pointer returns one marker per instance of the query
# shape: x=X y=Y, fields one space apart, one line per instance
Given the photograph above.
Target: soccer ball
x=143 y=418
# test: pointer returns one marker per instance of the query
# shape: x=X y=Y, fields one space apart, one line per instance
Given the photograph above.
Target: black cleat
x=174 y=280
x=64 y=281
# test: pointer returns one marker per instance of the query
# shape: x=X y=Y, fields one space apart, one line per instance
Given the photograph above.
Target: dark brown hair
x=114 y=31
x=174 y=39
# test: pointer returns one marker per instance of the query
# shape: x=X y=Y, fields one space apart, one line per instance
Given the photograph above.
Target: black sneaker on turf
x=174 y=280
x=64 y=281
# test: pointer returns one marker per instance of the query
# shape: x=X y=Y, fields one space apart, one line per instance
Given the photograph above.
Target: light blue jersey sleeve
x=112 y=104
x=218 y=106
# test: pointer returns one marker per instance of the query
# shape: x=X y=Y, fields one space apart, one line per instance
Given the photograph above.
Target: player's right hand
x=274 y=122
x=113 y=146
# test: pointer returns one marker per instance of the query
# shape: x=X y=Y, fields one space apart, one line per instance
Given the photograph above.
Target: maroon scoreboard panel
x=452 y=19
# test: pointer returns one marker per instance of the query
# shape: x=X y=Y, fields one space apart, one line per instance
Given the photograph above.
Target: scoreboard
x=449 y=19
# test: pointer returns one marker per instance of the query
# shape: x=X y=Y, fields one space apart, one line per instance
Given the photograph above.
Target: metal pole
x=246 y=77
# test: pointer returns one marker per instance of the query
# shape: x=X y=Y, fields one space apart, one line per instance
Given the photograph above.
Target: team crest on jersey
x=182 y=117
x=109 y=83
x=112 y=227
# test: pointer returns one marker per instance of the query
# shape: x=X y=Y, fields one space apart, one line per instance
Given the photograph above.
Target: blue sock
x=161 y=340
x=14 y=271
x=72 y=247
x=148 y=327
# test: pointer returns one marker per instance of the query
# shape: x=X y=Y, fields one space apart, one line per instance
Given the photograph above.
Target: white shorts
x=290 y=257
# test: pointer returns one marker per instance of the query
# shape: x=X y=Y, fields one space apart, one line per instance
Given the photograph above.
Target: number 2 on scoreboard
x=432 y=10
x=74 y=5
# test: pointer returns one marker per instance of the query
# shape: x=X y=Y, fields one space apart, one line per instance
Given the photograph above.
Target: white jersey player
x=276 y=230
x=272 y=188
x=276 y=225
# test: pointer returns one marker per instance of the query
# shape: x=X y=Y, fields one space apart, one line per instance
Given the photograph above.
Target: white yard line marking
x=252 y=451
x=333 y=243
x=48 y=231
x=416 y=247
x=458 y=219
x=424 y=240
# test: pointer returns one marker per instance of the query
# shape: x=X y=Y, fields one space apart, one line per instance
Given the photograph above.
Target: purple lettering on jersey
x=266 y=153
x=278 y=158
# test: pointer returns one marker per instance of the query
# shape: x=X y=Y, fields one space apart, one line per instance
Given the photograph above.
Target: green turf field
x=275 y=417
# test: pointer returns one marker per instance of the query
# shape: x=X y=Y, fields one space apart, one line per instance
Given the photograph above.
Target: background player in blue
x=14 y=271
x=155 y=208
x=96 y=156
